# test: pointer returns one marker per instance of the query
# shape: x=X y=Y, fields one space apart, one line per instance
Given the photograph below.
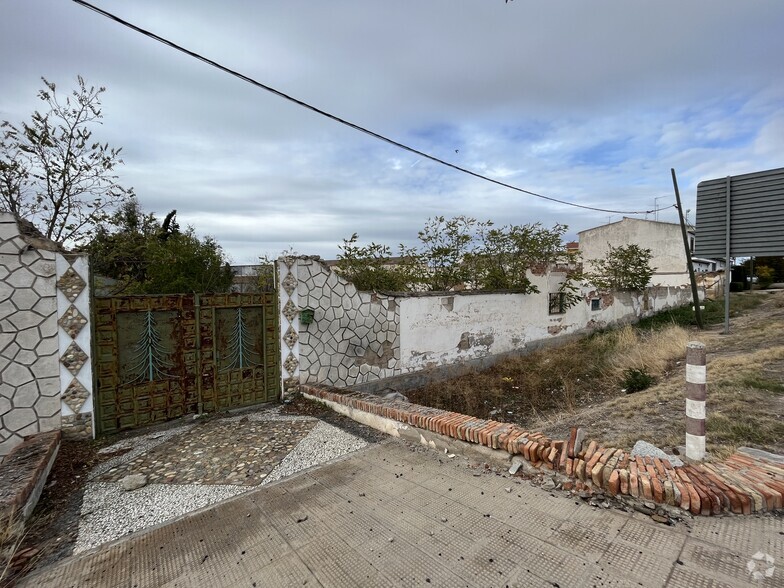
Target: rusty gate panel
x=161 y=357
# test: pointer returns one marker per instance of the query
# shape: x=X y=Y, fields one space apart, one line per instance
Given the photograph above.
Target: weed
x=635 y=380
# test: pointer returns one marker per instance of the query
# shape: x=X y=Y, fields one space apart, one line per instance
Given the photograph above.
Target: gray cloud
x=588 y=102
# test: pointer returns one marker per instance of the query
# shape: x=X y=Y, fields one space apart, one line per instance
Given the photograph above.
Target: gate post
x=695 y=400
x=286 y=269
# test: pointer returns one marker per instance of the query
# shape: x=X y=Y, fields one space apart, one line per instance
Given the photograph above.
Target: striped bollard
x=695 y=400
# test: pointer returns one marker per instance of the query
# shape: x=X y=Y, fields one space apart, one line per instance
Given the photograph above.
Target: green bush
x=635 y=380
x=736 y=286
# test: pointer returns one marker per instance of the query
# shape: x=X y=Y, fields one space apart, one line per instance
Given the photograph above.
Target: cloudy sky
x=589 y=102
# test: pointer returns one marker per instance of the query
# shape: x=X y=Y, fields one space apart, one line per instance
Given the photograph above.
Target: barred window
x=557 y=303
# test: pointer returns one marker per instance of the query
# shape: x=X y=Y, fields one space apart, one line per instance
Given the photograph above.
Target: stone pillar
x=289 y=324
x=74 y=338
x=29 y=380
x=695 y=400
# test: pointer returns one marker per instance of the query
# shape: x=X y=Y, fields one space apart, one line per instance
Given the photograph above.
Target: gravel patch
x=271 y=414
x=324 y=443
x=109 y=512
x=645 y=449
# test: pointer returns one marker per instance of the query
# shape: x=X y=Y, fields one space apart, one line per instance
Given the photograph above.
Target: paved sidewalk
x=392 y=515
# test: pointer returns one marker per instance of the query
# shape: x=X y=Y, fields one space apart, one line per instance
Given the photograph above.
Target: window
x=557 y=303
x=596 y=304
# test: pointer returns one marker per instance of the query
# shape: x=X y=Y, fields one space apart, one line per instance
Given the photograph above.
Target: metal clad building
x=756 y=208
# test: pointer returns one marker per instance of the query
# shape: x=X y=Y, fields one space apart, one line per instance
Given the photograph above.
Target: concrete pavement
x=395 y=515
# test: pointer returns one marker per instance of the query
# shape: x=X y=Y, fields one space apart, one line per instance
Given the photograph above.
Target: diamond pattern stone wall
x=354 y=337
x=289 y=324
x=74 y=333
x=29 y=370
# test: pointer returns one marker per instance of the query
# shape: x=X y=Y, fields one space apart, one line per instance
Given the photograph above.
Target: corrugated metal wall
x=756 y=215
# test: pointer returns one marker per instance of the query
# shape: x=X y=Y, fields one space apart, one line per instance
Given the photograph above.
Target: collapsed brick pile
x=741 y=484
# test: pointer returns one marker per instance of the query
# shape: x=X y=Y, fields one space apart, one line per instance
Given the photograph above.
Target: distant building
x=663 y=239
x=247 y=278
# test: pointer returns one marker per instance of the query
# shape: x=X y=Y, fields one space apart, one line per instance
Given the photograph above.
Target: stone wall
x=30 y=386
x=45 y=337
x=354 y=336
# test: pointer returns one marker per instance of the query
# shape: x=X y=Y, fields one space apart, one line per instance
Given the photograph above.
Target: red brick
x=570 y=443
x=596 y=474
x=564 y=457
x=634 y=481
x=590 y=450
x=624 y=475
x=614 y=485
x=607 y=454
x=659 y=468
x=580 y=469
x=569 y=467
x=645 y=485
x=589 y=464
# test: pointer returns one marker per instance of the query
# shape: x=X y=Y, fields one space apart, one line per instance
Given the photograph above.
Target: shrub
x=635 y=380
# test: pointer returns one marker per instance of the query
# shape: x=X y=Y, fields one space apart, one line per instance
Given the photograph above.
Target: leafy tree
x=370 y=267
x=506 y=254
x=765 y=275
x=54 y=173
x=460 y=251
x=184 y=263
x=626 y=267
x=439 y=262
x=147 y=257
x=119 y=247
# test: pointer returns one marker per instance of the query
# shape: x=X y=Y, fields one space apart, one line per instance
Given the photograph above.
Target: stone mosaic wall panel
x=354 y=337
x=289 y=324
x=29 y=371
x=74 y=340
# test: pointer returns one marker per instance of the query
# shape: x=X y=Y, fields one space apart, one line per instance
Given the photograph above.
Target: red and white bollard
x=695 y=400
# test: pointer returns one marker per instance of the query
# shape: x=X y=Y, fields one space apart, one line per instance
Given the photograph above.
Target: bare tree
x=53 y=173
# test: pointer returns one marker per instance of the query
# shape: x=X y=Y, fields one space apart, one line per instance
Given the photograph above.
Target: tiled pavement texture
x=395 y=515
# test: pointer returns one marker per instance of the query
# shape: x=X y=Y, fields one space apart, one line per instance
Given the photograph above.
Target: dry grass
x=581 y=384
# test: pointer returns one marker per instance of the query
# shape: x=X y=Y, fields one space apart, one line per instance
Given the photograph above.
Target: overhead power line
x=342 y=121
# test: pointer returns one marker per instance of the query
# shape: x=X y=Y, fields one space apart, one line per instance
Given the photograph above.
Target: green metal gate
x=157 y=358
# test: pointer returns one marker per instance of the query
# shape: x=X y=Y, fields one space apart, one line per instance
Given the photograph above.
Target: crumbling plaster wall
x=448 y=329
x=359 y=337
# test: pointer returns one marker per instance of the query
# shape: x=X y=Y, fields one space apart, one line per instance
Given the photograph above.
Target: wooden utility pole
x=695 y=296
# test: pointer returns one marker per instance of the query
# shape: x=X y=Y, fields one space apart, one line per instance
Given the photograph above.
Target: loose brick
x=570 y=441
x=656 y=485
x=614 y=484
x=596 y=474
x=592 y=446
x=563 y=458
x=580 y=469
x=634 y=480
x=624 y=475
x=593 y=461
x=645 y=485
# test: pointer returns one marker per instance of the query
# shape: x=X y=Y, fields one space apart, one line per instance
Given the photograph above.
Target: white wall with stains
x=447 y=329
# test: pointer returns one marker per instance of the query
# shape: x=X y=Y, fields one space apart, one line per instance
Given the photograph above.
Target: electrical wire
x=343 y=121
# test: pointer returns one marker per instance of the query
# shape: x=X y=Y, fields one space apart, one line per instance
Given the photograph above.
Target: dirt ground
x=553 y=390
x=745 y=385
